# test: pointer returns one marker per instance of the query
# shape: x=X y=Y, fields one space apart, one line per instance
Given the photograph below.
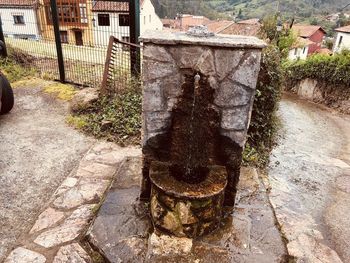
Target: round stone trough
x=185 y=209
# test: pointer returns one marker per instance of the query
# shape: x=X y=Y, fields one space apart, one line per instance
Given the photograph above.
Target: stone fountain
x=198 y=95
x=197 y=100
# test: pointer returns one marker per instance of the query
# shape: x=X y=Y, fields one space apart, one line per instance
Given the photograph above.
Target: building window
x=64 y=36
x=18 y=20
x=295 y=51
x=103 y=20
x=48 y=14
x=150 y=18
x=68 y=13
x=124 y=20
x=144 y=20
x=126 y=47
x=83 y=13
x=340 y=41
x=304 y=49
x=126 y=39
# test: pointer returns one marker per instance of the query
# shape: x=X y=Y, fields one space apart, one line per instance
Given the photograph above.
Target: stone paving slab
x=122 y=229
x=23 y=255
x=72 y=253
x=47 y=219
x=68 y=230
x=59 y=229
x=87 y=190
x=38 y=151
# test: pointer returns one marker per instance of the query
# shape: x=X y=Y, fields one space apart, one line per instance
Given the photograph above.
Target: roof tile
x=306 y=30
x=345 y=29
x=17 y=2
x=111 y=6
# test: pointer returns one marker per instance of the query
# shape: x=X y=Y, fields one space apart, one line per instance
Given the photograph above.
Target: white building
x=300 y=49
x=19 y=18
x=112 y=18
x=342 y=39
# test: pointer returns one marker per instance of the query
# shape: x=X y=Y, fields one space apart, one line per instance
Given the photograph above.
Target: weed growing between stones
x=115 y=117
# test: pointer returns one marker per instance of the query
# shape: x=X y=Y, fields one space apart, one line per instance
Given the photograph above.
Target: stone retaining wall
x=334 y=96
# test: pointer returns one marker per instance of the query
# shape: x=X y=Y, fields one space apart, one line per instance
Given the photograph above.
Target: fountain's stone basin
x=185 y=209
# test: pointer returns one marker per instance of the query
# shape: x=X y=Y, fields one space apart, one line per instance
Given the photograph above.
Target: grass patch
x=115 y=117
x=62 y=91
x=18 y=65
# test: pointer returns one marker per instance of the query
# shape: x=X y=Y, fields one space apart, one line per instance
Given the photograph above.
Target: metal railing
x=69 y=38
x=122 y=65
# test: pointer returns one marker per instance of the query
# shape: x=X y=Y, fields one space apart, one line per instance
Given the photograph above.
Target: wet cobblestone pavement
x=309 y=179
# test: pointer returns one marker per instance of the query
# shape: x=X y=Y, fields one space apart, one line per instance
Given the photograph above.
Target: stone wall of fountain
x=197 y=100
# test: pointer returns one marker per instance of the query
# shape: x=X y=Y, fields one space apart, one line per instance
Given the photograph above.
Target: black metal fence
x=69 y=38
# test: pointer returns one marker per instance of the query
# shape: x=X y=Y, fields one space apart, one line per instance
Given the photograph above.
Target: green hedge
x=330 y=69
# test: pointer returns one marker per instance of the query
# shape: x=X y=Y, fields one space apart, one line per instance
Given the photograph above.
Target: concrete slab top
x=218 y=40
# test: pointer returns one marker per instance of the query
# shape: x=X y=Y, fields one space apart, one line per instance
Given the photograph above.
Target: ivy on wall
x=264 y=123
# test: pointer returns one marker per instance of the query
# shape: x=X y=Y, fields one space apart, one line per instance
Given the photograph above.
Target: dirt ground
x=37 y=152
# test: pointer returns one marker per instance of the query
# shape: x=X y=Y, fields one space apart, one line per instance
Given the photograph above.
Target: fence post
x=134 y=13
x=106 y=71
x=3 y=50
x=56 y=27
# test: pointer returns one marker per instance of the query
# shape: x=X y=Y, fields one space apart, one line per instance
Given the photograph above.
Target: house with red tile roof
x=243 y=29
x=112 y=18
x=183 y=22
x=300 y=49
x=19 y=18
x=249 y=27
x=219 y=25
x=252 y=21
x=342 y=39
x=186 y=21
x=312 y=33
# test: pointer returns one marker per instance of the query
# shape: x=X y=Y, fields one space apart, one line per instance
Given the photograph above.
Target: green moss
x=27 y=83
x=97 y=258
x=61 y=91
x=199 y=204
x=77 y=122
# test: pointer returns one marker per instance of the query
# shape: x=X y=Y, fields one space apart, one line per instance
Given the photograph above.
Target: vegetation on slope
x=264 y=122
x=302 y=10
x=116 y=117
x=17 y=65
x=331 y=69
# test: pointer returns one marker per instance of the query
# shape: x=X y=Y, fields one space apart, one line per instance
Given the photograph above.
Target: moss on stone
x=172 y=222
x=77 y=122
x=201 y=203
x=28 y=83
x=61 y=91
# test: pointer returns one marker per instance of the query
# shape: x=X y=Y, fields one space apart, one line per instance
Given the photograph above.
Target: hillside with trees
x=242 y=9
